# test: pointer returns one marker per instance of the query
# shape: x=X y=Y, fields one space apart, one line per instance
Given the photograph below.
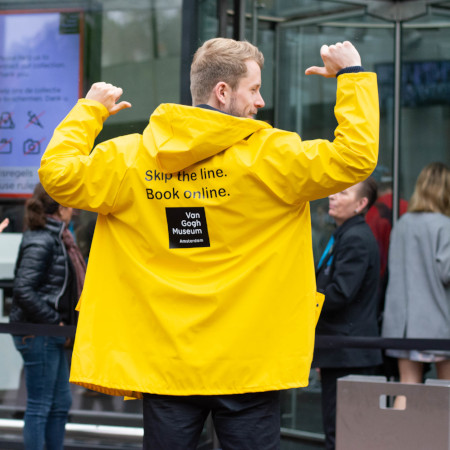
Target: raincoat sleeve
x=72 y=174
x=299 y=171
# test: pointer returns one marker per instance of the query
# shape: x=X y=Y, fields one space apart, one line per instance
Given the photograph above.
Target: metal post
x=222 y=18
x=188 y=47
x=239 y=20
x=255 y=7
x=397 y=107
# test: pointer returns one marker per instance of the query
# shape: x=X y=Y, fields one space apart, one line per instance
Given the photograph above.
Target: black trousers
x=329 y=397
x=242 y=421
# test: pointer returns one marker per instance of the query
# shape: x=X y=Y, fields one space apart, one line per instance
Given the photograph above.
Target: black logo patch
x=187 y=227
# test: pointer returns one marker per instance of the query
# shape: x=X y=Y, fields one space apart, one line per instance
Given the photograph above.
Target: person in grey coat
x=418 y=292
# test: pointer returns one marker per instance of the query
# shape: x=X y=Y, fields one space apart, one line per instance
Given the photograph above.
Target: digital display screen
x=40 y=81
x=423 y=83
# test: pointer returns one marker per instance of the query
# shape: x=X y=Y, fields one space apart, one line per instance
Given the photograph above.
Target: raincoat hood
x=179 y=136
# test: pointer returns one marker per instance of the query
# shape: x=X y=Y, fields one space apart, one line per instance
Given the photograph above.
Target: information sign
x=40 y=81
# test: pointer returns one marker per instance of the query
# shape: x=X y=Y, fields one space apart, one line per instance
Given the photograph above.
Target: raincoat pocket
x=320 y=298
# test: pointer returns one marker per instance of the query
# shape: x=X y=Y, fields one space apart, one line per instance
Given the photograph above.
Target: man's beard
x=234 y=110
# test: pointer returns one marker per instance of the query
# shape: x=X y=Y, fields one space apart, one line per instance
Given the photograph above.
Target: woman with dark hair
x=418 y=292
x=49 y=276
x=348 y=274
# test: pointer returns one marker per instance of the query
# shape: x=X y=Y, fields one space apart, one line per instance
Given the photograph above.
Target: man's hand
x=107 y=95
x=335 y=57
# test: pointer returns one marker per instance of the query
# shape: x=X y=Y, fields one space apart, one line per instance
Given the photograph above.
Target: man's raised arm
x=70 y=171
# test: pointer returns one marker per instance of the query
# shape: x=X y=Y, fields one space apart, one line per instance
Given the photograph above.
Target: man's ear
x=220 y=91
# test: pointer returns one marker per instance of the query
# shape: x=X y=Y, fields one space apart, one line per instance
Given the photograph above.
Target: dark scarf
x=76 y=258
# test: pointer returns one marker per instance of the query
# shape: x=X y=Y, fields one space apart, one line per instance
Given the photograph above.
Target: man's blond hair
x=220 y=59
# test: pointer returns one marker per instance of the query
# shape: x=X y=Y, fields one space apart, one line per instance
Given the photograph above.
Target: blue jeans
x=241 y=421
x=48 y=390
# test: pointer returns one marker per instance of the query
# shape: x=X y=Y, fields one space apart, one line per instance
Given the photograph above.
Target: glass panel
x=305 y=103
x=140 y=52
x=208 y=23
x=425 y=97
x=300 y=408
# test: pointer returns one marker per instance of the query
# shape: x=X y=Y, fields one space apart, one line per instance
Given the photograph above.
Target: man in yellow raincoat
x=200 y=292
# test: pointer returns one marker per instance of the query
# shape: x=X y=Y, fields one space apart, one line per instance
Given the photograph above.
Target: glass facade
x=144 y=46
x=305 y=103
x=425 y=96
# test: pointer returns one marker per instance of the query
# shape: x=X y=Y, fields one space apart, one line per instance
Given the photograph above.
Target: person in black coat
x=348 y=275
x=49 y=275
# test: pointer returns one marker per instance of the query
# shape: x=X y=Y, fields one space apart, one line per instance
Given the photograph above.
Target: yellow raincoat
x=201 y=276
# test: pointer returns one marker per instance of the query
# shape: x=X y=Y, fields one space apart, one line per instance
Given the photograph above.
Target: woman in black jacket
x=48 y=279
x=348 y=275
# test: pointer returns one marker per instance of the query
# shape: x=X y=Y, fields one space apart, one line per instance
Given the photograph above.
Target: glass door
x=305 y=104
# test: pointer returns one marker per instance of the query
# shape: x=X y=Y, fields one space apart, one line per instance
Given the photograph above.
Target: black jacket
x=350 y=285
x=41 y=275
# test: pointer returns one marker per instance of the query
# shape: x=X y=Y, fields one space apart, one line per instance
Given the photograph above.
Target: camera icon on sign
x=31 y=147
